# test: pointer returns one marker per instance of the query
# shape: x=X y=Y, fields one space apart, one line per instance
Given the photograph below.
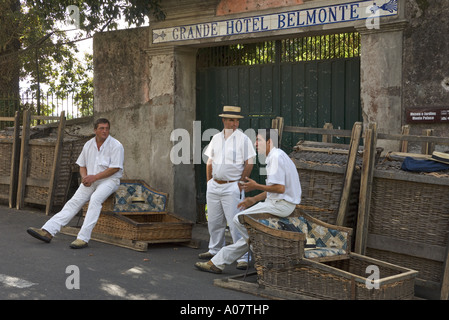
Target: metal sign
x=345 y=12
x=427 y=115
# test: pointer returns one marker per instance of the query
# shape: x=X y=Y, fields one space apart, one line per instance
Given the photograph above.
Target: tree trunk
x=9 y=47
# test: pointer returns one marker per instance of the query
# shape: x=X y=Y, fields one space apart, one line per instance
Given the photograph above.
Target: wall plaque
x=425 y=115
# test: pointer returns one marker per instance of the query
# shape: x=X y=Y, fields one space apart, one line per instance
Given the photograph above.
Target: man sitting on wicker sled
x=281 y=193
x=101 y=167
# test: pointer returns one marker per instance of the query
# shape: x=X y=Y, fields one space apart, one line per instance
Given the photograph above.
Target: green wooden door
x=308 y=81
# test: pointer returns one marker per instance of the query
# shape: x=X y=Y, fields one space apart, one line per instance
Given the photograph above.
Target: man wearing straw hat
x=101 y=167
x=231 y=157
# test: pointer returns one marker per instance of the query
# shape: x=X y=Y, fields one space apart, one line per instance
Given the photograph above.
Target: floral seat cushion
x=329 y=242
x=323 y=252
x=153 y=201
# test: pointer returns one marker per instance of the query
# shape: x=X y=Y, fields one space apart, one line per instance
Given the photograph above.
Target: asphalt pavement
x=164 y=277
x=34 y=270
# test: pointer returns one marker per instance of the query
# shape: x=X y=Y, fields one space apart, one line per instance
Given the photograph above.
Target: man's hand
x=249 y=185
x=88 y=180
x=245 y=204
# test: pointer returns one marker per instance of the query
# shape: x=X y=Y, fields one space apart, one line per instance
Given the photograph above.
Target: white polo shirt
x=282 y=170
x=110 y=155
x=228 y=156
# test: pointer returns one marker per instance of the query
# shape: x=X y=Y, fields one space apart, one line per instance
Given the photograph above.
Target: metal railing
x=49 y=104
x=311 y=48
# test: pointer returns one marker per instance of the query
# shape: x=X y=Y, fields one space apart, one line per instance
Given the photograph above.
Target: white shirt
x=228 y=155
x=110 y=155
x=282 y=170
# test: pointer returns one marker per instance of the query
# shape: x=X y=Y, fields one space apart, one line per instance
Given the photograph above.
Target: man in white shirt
x=101 y=167
x=281 y=193
x=230 y=158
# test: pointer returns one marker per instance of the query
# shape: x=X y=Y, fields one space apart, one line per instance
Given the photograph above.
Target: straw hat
x=440 y=157
x=231 y=112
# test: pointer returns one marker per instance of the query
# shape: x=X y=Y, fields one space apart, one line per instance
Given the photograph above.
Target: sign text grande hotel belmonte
x=346 y=12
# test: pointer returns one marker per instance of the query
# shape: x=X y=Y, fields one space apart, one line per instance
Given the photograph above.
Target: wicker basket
x=410 y=210
x=40 y=166
x=342 y=279
x=274 y=248
x=282 y=264
x=149 y=227
x=6 y=147
x=145 y=220
x=322 y=178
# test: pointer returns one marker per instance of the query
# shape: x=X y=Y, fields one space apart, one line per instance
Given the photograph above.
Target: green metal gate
x=309 y=81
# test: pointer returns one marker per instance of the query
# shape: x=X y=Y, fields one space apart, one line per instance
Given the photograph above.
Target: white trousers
x=96 y=194
x=231 y=253
x=222 y=201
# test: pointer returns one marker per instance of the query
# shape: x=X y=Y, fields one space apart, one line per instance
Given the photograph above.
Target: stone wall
x=426 y=67
x=135 y=88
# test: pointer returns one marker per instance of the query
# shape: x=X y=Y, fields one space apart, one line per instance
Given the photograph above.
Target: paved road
x=164 y=276
x=31 y=269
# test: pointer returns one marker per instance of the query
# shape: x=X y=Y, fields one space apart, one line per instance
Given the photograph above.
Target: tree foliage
x=33 y=46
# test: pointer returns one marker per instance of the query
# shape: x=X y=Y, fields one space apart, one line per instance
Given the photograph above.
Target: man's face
x=102 y=131
x=261 y=144
x=231 y=123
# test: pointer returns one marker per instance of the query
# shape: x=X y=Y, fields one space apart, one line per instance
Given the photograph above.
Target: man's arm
x=249 y=201
x=246 y=170
x=209 y=169
x=253 y=185
x=83 y=172
x=87 y=180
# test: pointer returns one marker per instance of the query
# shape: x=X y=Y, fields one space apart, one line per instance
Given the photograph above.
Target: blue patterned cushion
x=154 y=202
x=299 y=223
x=328 y=238
x=323 y=252
x=324 y=237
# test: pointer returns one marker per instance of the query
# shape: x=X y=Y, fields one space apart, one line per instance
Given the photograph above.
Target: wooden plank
x=10 y=119
x=400 y=156
x=406 y=176
x=428 y=139
x=335 y=132
x=56 y=164
x=36 y=182
x=15 y=162
x=365 y=189
x=24 y=155
x=404 y=144
x=45 y=117
x=327 y=138
x=349 y=173
x=125 y=243
x=427 y=147
x=280 y=128
x=245 y=283
x=318 y=167
x=323 y=150
x=444 y=293
x=411 y=248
